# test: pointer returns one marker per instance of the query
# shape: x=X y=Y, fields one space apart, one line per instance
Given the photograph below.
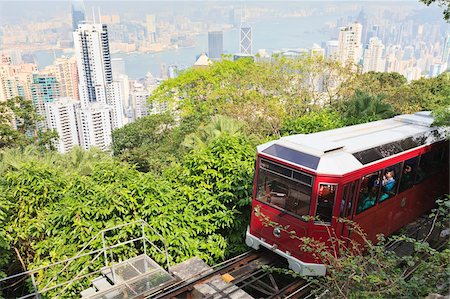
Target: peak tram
x=381 y=175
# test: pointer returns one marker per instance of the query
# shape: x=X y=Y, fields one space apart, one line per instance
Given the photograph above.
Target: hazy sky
x=12 y=12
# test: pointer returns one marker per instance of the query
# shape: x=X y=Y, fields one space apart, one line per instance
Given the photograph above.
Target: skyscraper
x=246 y=40
x=43 y=90
x=373 y=56
x=77 y=14
x=101 y=98
x=446 y=50
x=215 y=44
x=94 y=62
x=151 y=28
x=350 y=43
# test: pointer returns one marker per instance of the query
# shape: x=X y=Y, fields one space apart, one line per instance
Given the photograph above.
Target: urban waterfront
x=270 y=34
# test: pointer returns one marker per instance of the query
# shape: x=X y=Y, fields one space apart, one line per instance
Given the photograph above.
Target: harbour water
x=270 y=34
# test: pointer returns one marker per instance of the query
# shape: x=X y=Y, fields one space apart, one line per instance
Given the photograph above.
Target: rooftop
x=342 y=150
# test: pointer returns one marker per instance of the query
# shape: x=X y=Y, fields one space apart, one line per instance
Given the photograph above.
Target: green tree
x=19 y=125
x=445 y=4
x=216 y=127
x=149 y=142
x=261 y=94
x=312 y=122
x=364 y=107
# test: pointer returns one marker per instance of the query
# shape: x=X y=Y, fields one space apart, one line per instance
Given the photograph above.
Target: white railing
x=143 y=240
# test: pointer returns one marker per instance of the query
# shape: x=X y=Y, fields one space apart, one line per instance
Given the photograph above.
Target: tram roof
x=347 y=149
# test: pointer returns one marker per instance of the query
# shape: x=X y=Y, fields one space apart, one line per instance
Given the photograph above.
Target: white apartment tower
x=373 y=60
x=139 y=95
x=350 y=43
x=101 y=101
x=95 y=126
x=94 y=62
x=61 y=116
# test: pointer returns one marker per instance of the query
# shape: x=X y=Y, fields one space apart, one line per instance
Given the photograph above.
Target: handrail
x=82 y=253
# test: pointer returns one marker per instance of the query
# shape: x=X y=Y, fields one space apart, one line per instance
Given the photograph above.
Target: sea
x=269 y=34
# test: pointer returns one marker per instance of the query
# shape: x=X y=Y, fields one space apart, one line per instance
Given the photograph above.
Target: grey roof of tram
x=336 y=147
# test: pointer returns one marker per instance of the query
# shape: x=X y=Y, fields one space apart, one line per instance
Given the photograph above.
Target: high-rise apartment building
x=94 y=126
x=101 y=98
x=94 y=62
x=15 y=80
x=61 y=116
x=215 y=44
x=350 y=43
x=446 y=50
x=246 y=40
x=373 y=60
x=332 y=49
x=139 y=95
x=44 y=89
x=66 y=72
x=151 y=28
x=77 y=14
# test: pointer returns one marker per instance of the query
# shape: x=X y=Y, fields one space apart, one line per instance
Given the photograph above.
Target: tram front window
x=284 y=188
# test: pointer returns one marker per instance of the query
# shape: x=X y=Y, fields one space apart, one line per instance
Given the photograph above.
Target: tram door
x=347 y=207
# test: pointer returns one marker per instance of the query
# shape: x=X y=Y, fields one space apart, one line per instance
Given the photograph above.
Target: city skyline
x=87 y=90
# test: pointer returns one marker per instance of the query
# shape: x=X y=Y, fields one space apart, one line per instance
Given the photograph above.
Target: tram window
x=368 y=191
x=425 y=167
x=389 y=182
x=347 y=199
x=278 y=190
x=325 y=203
x=408 y=174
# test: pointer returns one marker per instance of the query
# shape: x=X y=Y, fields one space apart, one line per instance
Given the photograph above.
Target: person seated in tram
x=367 y=202
x=388 y=184
x=407 y=177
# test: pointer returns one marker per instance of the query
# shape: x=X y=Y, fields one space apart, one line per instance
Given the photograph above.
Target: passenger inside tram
x=388 y=184
x=368 y=192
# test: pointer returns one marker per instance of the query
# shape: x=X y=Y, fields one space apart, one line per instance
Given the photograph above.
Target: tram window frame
x=335 y=191
x=423 y=173
x=413 y=163
x=376 y=187
x=286 y=176
x=396 y=168
x=348 y=199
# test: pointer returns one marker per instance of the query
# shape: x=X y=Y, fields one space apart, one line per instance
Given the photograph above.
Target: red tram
x=381 y=174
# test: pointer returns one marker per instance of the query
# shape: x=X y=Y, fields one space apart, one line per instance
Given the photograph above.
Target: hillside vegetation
x=188 y=172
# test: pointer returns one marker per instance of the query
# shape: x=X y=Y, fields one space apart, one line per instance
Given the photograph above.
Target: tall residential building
x=43 y=90
x=446 y=50
x=151 y=28
x=246 y=40
x=373 y=60
x=139 y=95
x=61 y=116
x=215 y=44
x=101 y=99
x=94 y=62
x=350 y=43
x=66 y=73
x=15 y=80
x=332 y=49
x=77 y=14
x=94 y=126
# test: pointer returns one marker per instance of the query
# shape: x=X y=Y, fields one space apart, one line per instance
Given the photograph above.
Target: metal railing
x=143 y=240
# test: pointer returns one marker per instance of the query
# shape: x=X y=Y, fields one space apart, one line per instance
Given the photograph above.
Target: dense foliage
x=365 y=270
x=189 y=172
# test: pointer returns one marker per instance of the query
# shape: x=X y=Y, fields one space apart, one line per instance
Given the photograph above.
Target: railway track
x=244 y=273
